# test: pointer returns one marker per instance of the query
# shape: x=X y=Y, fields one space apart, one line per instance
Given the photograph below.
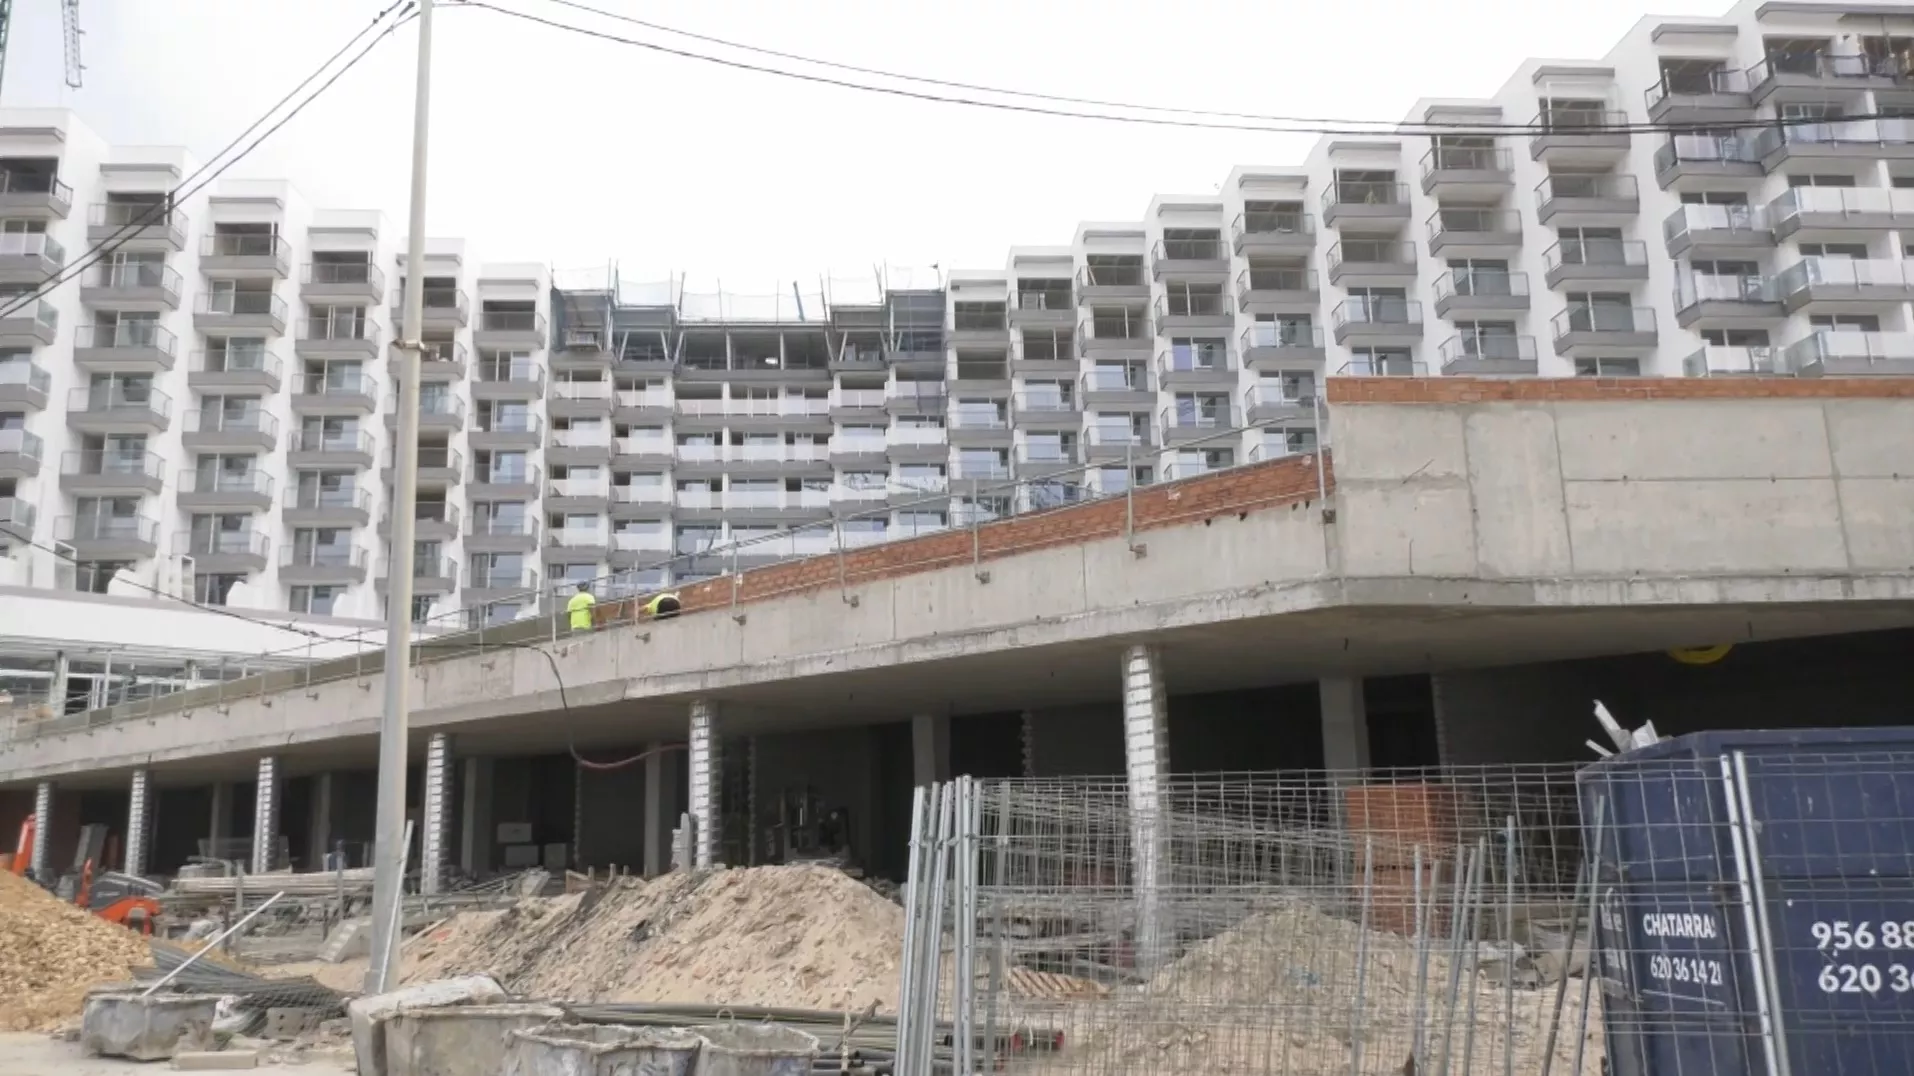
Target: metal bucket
x=462 y=1040
x=146 y=1028
x=601 y=1050
x=754 y=1050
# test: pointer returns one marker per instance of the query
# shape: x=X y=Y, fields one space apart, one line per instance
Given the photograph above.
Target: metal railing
x=1555 y=119
x=39 y=311
x=1185 y=304
x=1343 y=192
x=1273 y=222
x=1816 y=271
x=299 y=555
x=1046 y=299
x=1470 y=347
x=242 y=304
x=1262 y=278
x=318 y=499
x=517 y=371
x=1453 y=222
x=1614 y=253
x=12 y=182
x=1486 y=283
x=1593 y=187
x=323 y=441
x=244 y=245
x=219 y=480
x=508 y=422
x=1725 y=82
x=344 y=273
x=511 y=321
x=238 y=361
x=1693 y=288
x=120 y=397
x=224 y=543
x=155 y=214
x=1848 y=346
x=1371 y=252
x=1112 y=276
x=1468 y=159
x=1603 y=319
x=1748 y=219
x=340 y=381
x=1839 y=202
x=18 y=371
x=1131 y=377
x=1705 y=149
x=1190 y=249
x=1370 y=311
x=101 y=463
x=31 y=245
x=1201 y=359
x=1282 y=334
x=128 y=336
x=1713 y=361
x=21 y=443
x=437 y=299
x=339 y=331
x=107 y=529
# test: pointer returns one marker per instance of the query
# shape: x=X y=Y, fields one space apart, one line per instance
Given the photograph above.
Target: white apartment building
x=211 y=410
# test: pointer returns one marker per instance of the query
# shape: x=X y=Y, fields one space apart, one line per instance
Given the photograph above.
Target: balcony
x=584 y=350
x=17 y=519
x=1579 y=136
x=851 y=451
x=322 y=565
x=1383 y=366
x=1276 y=233
x=130 y=347
x=1204 y=365
x=1045 y=308
x=353 y=283
x=118 y=407
x=987 y=330
x=503 y=483
x=132 y=287
x=95 y=538
x=1696 y=161
x=571 y=544
x=20 y=454
x=335 y=391
x=1833 y=353
x=1115 y=335
x=1562 y=200
x=1700 y=97
x=651 y=451
x=315 y=506
x=1467 y=292
x=1279 y=403
x=776 y=502
x=1467 y=232
x=1714 y=301
x=856 y=497
x=240 y=313
x=979 y=427
x=29 y=258
x=1112 y=284
x=856 y=403
x=1810 y=77
x=1468 y=173
x=1039 y=459
x=316 y=448
x=432 y=521
x=1834 y=285
x=1592 y=331
x=96 y=473
x=1108 y=442
x=572 y=447
x=1836 y=213
x=643 y=405
x=502 y=534
x=508 y=330
x=508 y=431
x=634 y=547
x=34 y=196
x=1372 y=263
x=487 y=585
x=1362 y=322
x=1277 y=291
x=245 y=256
x=578 y=494
x=224 y=552
x=442 y=361
x=911 y=444
x=519 y=381
x=445 y=309
x=1277 y=346
x=24 y=385
x=1580 y=263
x=243 y=370
x=439 y=412
x=210 y=490
x=1733 y=362
x=24 y=326
x=1489 y=356
x=430 y=575
x=1186 y=425
x=1190 y=259
x=1841 y=143
x=1725 y=232
x=1366 y=207
x=250 y=430
x=440 y=467
x=136 y=226
x=323 y=338
x=1182 y=311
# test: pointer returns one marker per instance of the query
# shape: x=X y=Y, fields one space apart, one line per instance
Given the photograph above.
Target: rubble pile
x=52 y=953
x=800 y=936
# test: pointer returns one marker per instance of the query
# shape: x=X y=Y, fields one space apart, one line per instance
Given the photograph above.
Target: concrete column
x=1146 y=750
x=42 y=831
x=319 y=838
x=56 y=691
x=139 y=824
x=476 y=854
x=1345 y=724
x=705 y=775
x=266 y=817
x=1027 y=730
x=930 y=748
x=220 y=826
x=436 y=813
x=664 y=776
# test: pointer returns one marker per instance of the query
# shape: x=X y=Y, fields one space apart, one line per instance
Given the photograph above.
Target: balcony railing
x=1364 y=192
x=978 y=419
x=242 y=304
x=1485 y=283
x=1195 y=249
x=917 y=435
x=1360 y=311
x=323 y=556
x=1849 y=348
x=223 y=421
x=1715 y=361
x=244 y=245
x=931 y=392
x=345 y=273
x=1256 y=278
x=1473 y=347
x=223 y=481
x=488 y=578
x=1053 y=402
x=510 y=422
x=1837 y=202
x=1747 y=219
x=1274 y=222
x=1131 y=378
x=586 y=438
x=38 y=311
x=107 y=529
x=116 y=396
x=1721 y=83
x=1196 y=418
x=350 y=441
x=578 y=536
x=1816 y=271
x=642 y=446
x=127 y=336
x=132 y=215
x=581 y=487
x=1607 y=253
x=437 y=300
x=1604 y=319
x=853 y=446
x=1707 y=150
x=1401 y=256
x=1383 y=366
x=22 y=372
x=434 y=405
x=31 y=245
x=317 y=499
x=108 y=463
x=505 y=526
x=328 y=330
x=1608 y=188
x=1692 y=288
x=21 y=443
x=336 y=382
x=1573 y=120
x=646 y=494
x=1111 y=276
x=1048 y=299
x=511 y=321
x=1299 y=395
x=1283 y=334
x=1185 y=304
x=239 y=543
x=1467 y=159
x=1212 y=359
x=12 y=182
x=841 y=397
x=583 y=390
x=1859 y=133
x=238 y=361
x=522 y=372
x=505 y=476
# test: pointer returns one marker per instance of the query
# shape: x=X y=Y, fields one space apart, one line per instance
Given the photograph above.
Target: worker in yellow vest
x=662 y=606
x=580 y=607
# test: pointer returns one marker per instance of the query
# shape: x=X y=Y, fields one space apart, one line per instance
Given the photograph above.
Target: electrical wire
x=192 y=184
x=1349 y=128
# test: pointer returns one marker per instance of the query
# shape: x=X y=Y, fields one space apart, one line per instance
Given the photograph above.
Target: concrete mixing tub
x=146 y=1028
x=462 y=1040
x=371 y=1016
x=753 y=1050
x=601 y=1050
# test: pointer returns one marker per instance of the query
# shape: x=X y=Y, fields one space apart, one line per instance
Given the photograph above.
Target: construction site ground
x=30 y=1054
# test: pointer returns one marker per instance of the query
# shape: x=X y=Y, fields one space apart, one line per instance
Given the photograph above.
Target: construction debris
x=52 y=953
x=800 y=936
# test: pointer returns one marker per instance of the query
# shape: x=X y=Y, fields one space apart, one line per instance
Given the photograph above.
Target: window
x=315 y=600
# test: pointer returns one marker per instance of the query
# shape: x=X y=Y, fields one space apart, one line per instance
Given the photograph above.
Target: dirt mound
x=798 y=937
x=52 y=953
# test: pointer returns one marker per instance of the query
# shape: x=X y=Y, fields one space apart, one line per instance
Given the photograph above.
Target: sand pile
x=52 y=953
x=798 y=936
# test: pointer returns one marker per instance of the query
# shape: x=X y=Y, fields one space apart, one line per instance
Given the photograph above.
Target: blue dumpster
x=1755 y=903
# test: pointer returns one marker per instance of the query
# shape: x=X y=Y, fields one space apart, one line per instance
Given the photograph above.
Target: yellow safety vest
x=580 y=609
x=656 y=607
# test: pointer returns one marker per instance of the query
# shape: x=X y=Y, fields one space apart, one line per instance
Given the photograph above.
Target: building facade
x=210 y=410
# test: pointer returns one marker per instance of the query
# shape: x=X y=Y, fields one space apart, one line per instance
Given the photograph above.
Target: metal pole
x=389 y=851
x=213 y=944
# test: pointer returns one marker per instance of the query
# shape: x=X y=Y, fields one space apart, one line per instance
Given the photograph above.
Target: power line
x=192 y=184
x=1286 y=125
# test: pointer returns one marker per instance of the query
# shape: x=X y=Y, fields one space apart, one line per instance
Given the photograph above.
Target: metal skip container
x=128 y=1024
x=1754 y=904
x=753 y=1050
x=601 y=1050
x=462 y=1040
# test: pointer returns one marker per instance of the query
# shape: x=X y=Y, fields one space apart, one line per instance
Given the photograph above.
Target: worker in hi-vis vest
x=662 y=606
x=580 y=607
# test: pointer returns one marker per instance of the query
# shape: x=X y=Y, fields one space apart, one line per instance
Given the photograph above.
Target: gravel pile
x=52 y=953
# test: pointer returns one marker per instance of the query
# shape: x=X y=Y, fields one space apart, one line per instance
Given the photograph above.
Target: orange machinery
x=116 y=898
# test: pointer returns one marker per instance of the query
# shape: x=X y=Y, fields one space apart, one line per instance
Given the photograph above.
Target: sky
x=549 y=146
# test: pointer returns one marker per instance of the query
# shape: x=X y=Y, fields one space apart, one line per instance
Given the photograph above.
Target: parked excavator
x=126 y=899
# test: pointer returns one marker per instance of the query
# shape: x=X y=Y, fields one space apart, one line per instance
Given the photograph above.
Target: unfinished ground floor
x=745 y=788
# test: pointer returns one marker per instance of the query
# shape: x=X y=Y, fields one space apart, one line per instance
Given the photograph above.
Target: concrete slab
x=220 y=1061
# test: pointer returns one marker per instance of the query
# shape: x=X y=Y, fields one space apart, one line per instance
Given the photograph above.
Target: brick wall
x=1458 y=390
x=1238 y=490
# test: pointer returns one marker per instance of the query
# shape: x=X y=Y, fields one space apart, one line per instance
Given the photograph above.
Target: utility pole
x=388 y=882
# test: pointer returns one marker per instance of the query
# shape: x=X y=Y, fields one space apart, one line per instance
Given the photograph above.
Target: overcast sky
x=551 y=147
